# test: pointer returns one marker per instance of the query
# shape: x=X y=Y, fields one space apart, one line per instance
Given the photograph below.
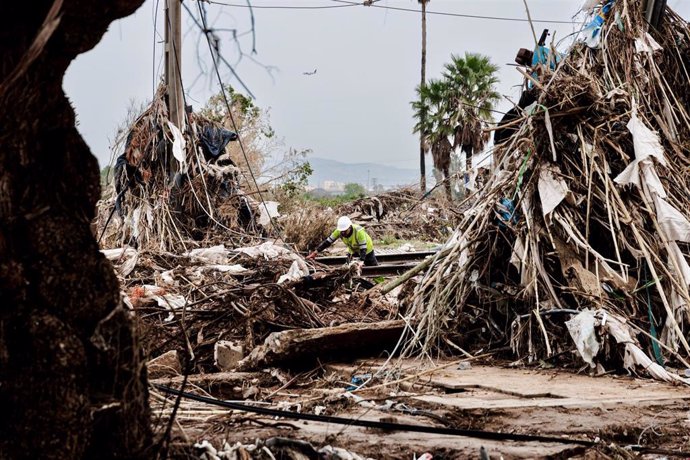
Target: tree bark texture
x=72 y=382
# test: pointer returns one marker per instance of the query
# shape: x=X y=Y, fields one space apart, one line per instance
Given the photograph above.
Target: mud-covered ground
x=621 y=416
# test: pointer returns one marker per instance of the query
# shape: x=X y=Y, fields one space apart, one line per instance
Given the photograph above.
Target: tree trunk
x=422 y=165
x=446 y=177
x=72 y=384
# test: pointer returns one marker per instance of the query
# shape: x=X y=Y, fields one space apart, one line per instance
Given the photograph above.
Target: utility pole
x=173 y=62
x=654 y=13
x=422 y=165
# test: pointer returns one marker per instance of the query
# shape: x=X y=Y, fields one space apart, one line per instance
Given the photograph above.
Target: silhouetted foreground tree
x=71 y=381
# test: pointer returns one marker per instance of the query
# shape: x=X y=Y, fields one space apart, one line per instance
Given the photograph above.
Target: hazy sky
x=355 y=108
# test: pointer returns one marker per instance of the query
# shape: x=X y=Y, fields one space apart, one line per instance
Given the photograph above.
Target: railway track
x=390 y=264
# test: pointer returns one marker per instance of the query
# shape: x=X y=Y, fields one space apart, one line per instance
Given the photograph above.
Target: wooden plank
x=304 y=347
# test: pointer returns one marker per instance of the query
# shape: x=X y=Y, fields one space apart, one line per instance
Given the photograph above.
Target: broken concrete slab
x=165 y=365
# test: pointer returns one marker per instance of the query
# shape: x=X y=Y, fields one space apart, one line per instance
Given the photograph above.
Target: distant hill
x=387 y=176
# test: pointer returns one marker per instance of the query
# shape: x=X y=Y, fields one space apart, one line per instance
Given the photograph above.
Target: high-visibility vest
x=359 y=239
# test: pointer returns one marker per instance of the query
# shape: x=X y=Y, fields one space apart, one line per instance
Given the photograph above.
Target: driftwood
x=302 y=347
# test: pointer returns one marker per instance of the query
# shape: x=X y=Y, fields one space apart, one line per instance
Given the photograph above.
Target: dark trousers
x=370 y=260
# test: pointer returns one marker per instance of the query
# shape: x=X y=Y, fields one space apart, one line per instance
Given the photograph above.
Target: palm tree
x=472 y=82
x=431 y=110
x=457 y=106
x=422 y=165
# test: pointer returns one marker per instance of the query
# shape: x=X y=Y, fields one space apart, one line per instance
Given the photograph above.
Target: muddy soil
x=614 y=412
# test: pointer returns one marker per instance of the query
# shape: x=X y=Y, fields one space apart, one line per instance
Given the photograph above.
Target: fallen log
x=302 y=347
x=228 y=385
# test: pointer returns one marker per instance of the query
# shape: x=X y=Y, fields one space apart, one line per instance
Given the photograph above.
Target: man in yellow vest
x=356 y=239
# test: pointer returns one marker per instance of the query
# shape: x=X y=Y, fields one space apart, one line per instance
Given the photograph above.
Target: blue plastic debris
x=506 y=212
x=594 y=27
x=357 y=381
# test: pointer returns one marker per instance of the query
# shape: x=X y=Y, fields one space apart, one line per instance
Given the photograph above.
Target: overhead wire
x=207 y=31
x=459 y=15
x=184 y=97
x=281 y=7
x=349 y=3
x=232 y=118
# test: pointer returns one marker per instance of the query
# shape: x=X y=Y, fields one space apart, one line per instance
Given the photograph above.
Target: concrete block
x=227 y=354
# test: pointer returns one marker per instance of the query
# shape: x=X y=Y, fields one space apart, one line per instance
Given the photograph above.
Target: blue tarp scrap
x=594 y=27
x=506 y=212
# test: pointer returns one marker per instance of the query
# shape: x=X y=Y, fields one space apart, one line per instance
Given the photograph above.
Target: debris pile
x=272 y=448
x=587 y=210
x=304 y=227
x=206 y=296
x=400 y=213
x=173 y=186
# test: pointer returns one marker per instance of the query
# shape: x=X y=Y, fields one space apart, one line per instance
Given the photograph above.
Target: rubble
x=217 y=294
x=402 y=214
x=230 y=385
x=165 y=365
x=227 y=354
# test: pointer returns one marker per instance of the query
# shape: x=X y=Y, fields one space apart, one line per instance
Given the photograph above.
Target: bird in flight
x=309 y=73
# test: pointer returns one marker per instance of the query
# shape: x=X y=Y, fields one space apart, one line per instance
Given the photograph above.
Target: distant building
x=333 y=186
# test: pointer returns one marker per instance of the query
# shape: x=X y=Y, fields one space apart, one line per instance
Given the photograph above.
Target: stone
x=227 y=354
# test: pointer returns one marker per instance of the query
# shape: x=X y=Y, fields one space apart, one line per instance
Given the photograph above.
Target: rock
x=227 y=354
x=464 y=366
x=165 y=365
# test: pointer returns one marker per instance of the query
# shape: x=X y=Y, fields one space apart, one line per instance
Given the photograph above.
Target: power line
x=459 y=15
x=202 y=16
x=348 y=3
x=282 y=7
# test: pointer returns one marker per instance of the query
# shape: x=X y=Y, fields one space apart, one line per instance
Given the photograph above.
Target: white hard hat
x=344 y=223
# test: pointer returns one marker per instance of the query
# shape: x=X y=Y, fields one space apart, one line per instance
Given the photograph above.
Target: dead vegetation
x=574 y=249
x=402 y=215
x=190 y=302
x=585 y=218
